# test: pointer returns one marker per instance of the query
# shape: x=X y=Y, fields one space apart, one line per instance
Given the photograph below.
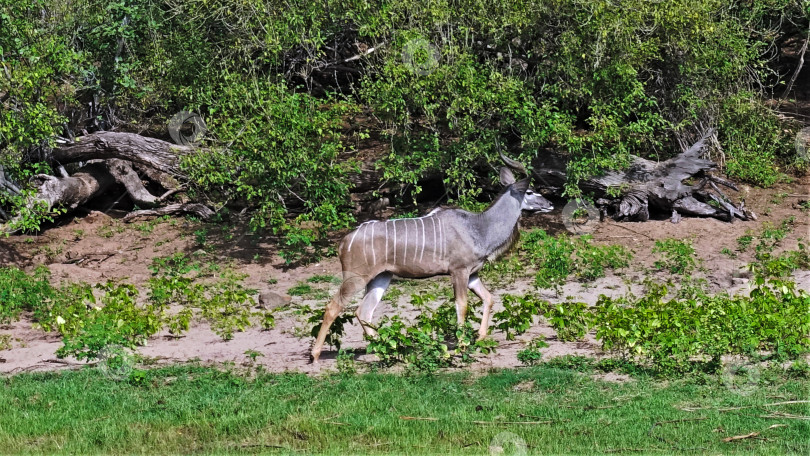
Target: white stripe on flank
x=405 y=254
x=353 y=236
x=422 y=251
x=395 y=240
x=373 y=251
x=433 y=224
x=386 y=242
x=440 y=245
x=365 y=244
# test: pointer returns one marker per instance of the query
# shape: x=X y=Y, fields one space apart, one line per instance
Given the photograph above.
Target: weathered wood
x=201 y=210
x=152 y=152
x=647 y=186
x=113 y=157
x=124 y=174
x=71 y=192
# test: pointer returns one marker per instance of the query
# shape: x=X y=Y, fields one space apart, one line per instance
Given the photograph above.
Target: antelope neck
x=497 y=224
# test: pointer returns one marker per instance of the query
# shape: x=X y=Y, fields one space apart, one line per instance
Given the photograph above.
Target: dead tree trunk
x=647 y=186
x=108 y=158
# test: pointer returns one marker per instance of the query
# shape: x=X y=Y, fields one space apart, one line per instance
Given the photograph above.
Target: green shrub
x=558 y=257
x=678 y=335
x=518 y=314
x=22 y=292
x=531 y=355
x=570 y=320
x=677 y=256
x=754 y=140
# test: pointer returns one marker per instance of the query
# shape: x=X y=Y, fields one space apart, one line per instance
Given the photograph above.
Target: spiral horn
x=514 y=164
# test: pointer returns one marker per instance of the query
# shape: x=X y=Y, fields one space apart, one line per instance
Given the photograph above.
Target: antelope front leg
x=460 y=281
x=481 y=291
x=348 y=288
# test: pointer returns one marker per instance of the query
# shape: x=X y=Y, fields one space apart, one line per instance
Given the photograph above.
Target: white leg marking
x=373 y=250
x=474 y=282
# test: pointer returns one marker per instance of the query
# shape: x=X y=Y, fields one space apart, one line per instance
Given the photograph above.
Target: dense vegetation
x=290 y=91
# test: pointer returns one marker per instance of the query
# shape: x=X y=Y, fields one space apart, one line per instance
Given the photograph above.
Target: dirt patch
x=97 y=248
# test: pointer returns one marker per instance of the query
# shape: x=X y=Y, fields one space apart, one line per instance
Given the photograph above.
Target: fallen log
x=647 y=187
x=151 y=152
x=107 y=158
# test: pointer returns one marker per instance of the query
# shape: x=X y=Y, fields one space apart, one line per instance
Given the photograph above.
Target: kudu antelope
x=444 y=242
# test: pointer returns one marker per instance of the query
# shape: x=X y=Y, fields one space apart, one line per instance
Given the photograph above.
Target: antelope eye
x=529 y=192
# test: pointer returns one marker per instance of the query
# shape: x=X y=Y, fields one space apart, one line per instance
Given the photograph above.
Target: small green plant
x=5 y=342
x=253 y=355
x=201 y=236
x=324 y=279
x=571 y=320
x=300 y=290
x=138 y=377
x=744 y=241
x=345 y=362
x=336 y=331
x=23 y=292
x=531 y=355
x=557 y=258
x=727 y=252
x=677 y=256
x=518 y=314
x=433 y=341
x=577 y=363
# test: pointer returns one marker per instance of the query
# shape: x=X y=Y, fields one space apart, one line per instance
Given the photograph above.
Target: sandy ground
x=97 y=247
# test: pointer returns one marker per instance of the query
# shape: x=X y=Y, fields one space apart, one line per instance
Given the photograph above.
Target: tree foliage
x=447 y=84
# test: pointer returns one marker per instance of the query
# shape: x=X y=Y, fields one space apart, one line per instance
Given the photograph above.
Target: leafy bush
x=557 y=258
x=89 y=327
x=433 y=341
x=571 y=320
x=531 y=355
x=518 y=314
x=678 y=256
x=678 y=334
x=754 y=139
x=282 y=150
x=22 y=292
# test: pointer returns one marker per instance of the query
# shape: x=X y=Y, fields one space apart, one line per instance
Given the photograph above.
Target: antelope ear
x=521 y=186
x=507 y=178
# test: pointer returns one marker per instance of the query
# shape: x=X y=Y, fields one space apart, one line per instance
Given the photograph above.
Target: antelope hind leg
x=374 y=293
x=348 y=288
x=460 y=291
x=481 y=291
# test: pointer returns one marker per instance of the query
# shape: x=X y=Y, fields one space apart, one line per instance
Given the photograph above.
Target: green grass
x=194 y=409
